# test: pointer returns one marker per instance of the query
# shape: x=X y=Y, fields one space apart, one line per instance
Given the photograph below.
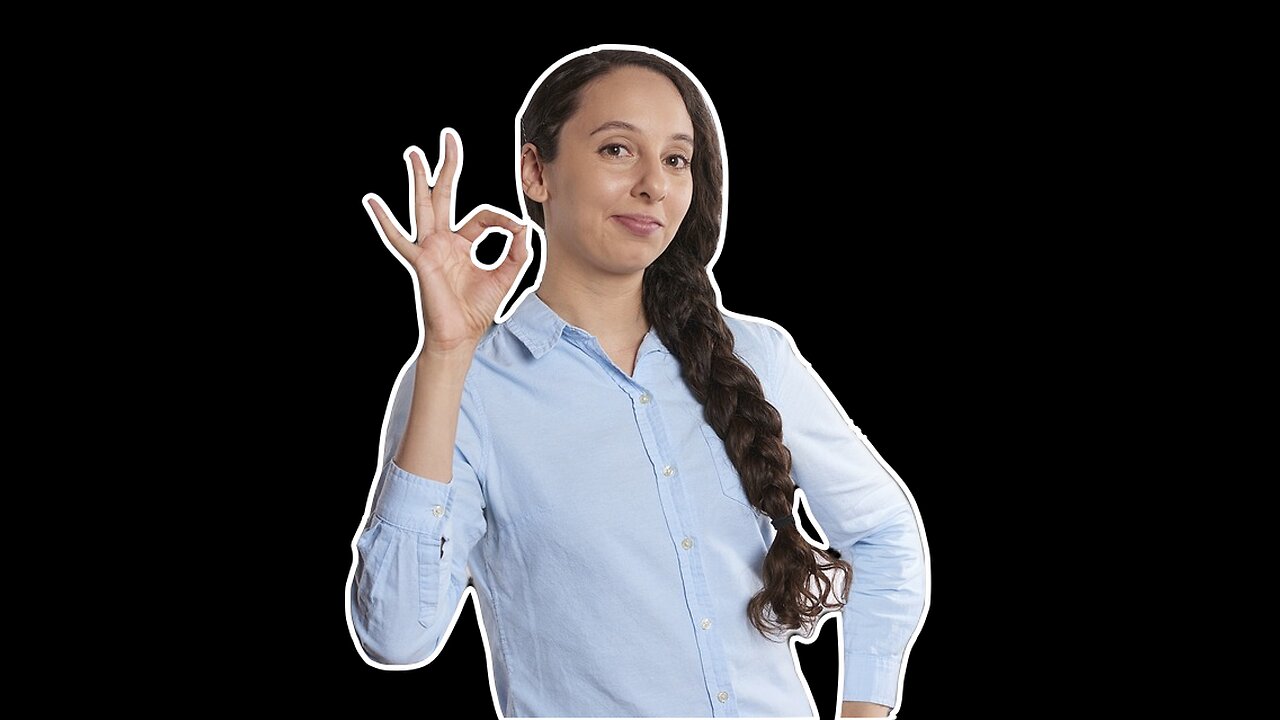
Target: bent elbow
x=388 y=650
x=401 y=645
x=388 y=635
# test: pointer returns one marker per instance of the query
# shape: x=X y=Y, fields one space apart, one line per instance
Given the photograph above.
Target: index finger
x=483 y=218
x=424 y=215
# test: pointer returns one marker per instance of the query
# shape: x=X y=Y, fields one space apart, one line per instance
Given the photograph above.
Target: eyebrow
x=621 y=125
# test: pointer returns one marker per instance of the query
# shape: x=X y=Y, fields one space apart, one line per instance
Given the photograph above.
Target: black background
x=869 y=197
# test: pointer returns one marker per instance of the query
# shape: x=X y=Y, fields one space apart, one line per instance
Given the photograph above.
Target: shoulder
x=499 y=351
x=749 y=330
x=758 y=341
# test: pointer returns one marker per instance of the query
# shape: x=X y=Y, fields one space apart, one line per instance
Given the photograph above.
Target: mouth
x=640 y=225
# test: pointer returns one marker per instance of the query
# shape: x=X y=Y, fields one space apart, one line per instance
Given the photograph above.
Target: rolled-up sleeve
x=410 y=558
x=866 y=515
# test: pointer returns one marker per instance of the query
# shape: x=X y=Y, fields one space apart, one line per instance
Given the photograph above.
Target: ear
x=531 y=173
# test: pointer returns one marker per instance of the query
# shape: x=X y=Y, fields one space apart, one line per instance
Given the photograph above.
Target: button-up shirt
x=610 y=542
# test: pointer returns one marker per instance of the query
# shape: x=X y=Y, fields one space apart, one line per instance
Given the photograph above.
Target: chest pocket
x=730 y=483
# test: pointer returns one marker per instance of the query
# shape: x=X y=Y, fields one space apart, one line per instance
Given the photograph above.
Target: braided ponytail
x=681 y=303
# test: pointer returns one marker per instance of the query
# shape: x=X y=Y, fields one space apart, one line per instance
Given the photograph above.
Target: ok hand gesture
x=459 y=297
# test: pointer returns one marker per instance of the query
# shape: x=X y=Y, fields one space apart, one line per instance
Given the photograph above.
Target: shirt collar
x=536 y=325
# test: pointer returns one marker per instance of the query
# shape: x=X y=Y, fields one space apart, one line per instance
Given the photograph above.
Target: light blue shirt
x=611 y=545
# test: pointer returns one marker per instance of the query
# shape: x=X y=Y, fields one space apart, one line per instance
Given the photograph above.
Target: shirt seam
x=894 y=658
x=775 y=367
x=752 y=330
x=406 y=528
x=502 y=637
x=485 y=449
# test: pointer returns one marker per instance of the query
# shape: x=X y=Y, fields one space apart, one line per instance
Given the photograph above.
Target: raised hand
x=459 y=297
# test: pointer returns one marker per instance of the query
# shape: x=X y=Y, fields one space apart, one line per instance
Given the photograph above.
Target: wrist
x=455 y=350
x=449 y=365
x=857 y=708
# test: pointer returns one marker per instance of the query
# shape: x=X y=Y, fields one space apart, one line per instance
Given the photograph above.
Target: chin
x=629 y=267
x=629 y=256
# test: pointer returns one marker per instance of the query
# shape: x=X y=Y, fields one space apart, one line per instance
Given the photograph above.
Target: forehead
x=640 y=96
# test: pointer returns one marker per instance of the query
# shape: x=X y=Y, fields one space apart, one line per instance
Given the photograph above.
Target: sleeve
x=866 y=514
x=410 y=566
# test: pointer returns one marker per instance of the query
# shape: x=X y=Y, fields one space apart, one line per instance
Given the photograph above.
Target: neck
x=611 y=309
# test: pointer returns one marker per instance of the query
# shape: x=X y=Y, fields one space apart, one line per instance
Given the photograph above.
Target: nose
x=652 y=181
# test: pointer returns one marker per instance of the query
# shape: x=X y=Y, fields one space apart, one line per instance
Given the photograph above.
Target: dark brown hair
x=681 y=304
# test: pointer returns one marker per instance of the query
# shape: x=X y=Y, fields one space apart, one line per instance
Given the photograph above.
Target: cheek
x=685 y=200
x=589 y=197
x=609 y=191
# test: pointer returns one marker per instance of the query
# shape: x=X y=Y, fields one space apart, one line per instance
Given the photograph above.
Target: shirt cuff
x=872 y=678
x=414 y=502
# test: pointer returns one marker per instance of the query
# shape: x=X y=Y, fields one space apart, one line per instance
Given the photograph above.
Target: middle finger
x=446 y=178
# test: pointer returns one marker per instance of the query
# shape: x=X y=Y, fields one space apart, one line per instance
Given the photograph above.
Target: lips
x=642 y=225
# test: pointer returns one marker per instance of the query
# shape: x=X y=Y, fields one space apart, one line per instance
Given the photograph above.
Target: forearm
x=851 y=708
x=886 y=605
x=426 y=516
x=431 y=430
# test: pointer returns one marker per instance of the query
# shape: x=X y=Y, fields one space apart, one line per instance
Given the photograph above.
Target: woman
x=608 y=464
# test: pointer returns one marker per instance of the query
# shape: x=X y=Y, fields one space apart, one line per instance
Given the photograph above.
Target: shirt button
x=706 y=623
x=687 y=543
x=437 y=511
x=723 y=696
x=668 y=471
x=644 y=399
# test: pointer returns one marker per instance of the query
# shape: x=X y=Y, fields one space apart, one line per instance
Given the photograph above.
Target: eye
x=614 y=150
x=681 y=162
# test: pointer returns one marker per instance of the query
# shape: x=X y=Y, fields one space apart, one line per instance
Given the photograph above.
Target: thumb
x=517 y=253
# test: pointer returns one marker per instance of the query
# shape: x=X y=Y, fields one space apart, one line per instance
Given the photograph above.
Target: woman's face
x=622 y=181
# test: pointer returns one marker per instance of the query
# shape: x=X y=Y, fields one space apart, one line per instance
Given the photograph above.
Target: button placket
x=683 y=517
